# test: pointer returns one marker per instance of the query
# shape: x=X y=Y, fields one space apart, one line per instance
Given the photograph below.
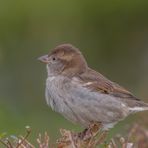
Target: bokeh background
x=113 y=35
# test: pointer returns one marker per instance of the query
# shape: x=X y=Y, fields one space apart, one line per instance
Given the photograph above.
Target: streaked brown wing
x=98 y=82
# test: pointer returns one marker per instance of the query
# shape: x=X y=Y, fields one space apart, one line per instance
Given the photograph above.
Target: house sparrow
x=83 y=95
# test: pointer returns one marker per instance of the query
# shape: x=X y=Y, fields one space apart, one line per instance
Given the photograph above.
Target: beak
x=44 y=59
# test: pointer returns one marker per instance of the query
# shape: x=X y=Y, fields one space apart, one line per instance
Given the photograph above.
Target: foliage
x=91 y=138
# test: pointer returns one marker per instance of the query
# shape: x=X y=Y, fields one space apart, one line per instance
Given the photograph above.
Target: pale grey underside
x=81 y=105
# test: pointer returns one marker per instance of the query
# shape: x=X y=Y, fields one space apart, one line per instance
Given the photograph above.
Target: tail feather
x=140 y=106
x=138 y=109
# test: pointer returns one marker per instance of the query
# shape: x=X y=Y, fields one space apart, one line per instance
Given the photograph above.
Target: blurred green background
x=113 y=35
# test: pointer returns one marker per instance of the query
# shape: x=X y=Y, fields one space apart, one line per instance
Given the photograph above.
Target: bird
x=83 y=95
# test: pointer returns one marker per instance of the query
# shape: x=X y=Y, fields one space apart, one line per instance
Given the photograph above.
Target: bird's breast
x=79 y=104
x=57 y=96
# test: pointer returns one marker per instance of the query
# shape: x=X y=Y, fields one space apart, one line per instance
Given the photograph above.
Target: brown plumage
x=83 y=95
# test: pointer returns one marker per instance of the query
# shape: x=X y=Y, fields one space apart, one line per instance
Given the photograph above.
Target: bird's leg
x=82 y=134
x=91 y=131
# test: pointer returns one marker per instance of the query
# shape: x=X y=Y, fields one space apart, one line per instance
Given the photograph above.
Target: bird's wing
x=97 y=82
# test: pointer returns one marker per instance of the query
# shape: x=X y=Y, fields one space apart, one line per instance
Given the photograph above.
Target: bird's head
x=64 y=59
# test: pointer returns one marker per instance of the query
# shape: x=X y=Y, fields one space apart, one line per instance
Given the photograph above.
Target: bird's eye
x=53 y=58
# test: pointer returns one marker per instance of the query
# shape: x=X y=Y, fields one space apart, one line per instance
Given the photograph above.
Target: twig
x=43 y=143
x=4 y=143
x=102 y=137
x=113 y=143
x=72 y=141
x=91 y=140
x=26 y=142
x=25 y=137
x=9 y=144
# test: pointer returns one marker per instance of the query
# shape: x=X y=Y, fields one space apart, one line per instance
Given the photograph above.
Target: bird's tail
x=140 y=106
